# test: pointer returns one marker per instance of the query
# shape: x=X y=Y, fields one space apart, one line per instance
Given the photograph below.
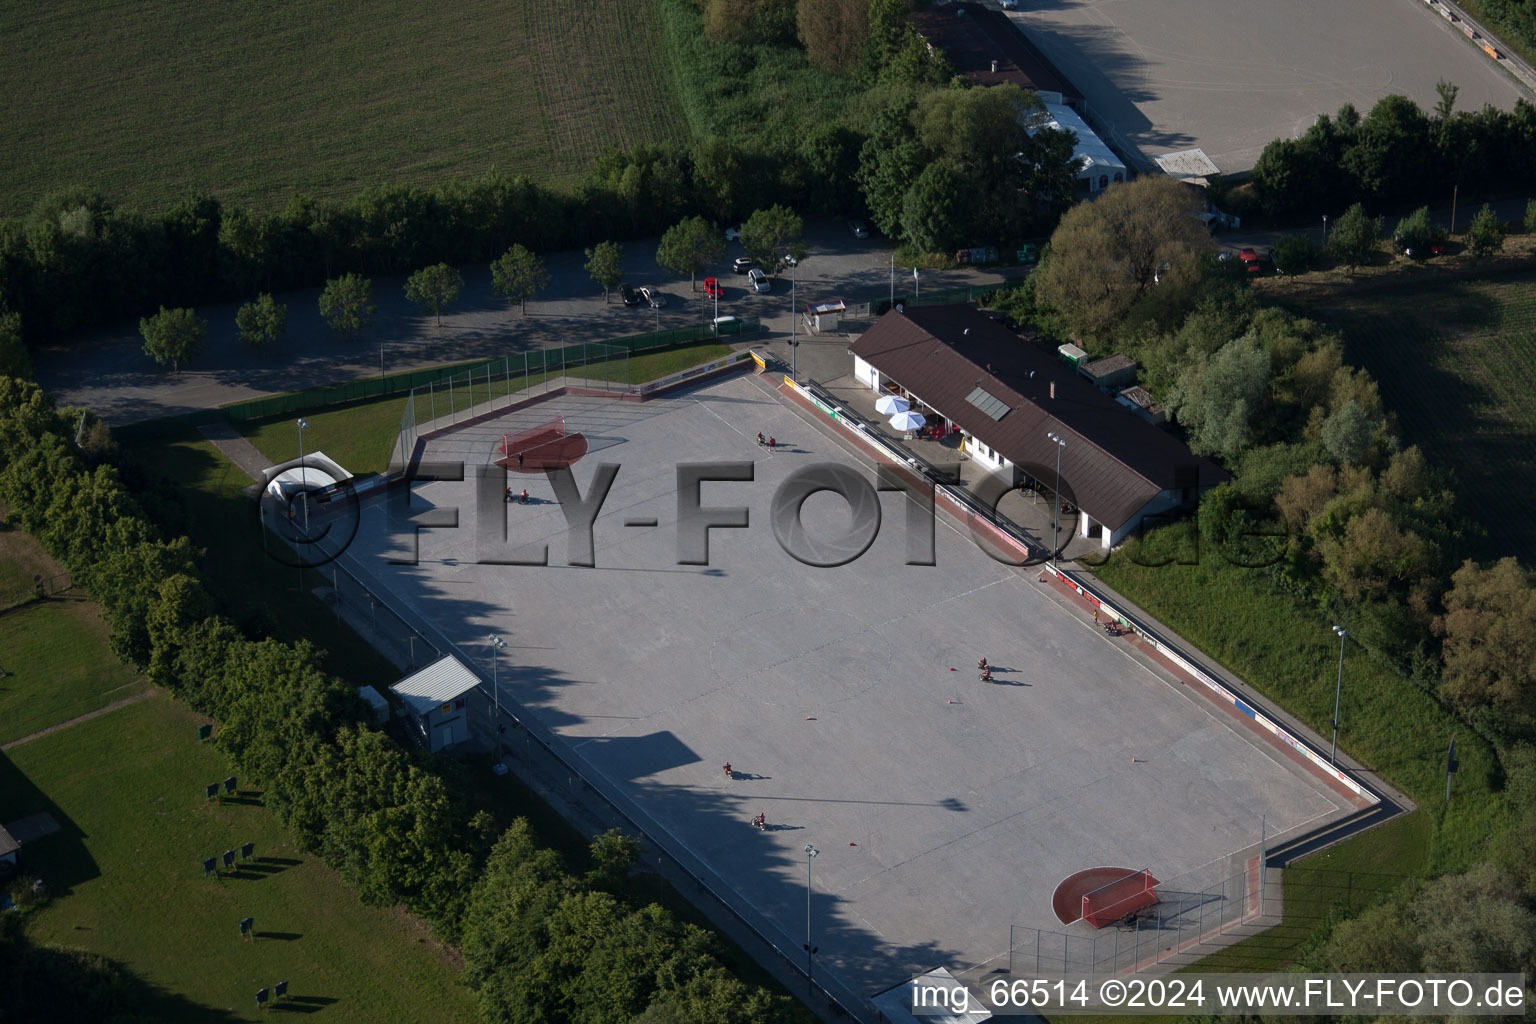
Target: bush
x=1296 y=254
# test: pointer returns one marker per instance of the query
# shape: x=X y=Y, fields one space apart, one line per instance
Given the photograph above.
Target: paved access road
x=108 y=371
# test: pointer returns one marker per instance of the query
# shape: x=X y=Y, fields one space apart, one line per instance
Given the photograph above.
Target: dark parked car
x=629 y=295
x=743 y=264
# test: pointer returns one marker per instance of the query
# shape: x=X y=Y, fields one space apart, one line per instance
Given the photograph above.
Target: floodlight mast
x=1338 y=691
x=497 y=643
x=810 y=852
x=303 y=475
x=1056 y=535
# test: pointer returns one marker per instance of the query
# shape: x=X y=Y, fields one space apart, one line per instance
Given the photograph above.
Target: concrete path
x=151 y=692
x=234 y=447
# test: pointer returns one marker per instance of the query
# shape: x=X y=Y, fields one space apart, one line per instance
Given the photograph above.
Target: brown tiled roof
x=972 y=37
x=1114 y=463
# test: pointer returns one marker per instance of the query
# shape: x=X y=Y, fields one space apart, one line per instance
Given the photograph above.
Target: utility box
x=1072 y=354
x=823 y=316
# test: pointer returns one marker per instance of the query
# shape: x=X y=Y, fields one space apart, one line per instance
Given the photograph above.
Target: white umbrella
x=891 y=404
x=907 y=420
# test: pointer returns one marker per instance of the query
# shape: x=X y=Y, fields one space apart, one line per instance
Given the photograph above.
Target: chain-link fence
x=1191 y=914
x=370 y=615
x=586 y=364
x=39 y=588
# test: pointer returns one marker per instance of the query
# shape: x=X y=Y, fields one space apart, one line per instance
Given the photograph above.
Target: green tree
x=1371 y=556
x=518 y=275
x=1474 y=923
x=347 y=304
x=690 y=246
x=613 y=855
x=1447 y=102
x=605 y=263
x=1485 y=235
x=768 y=234
x=434 y=287
x=1530 y=216
x=1413 y=233
x=1353 y=237
x=1348 y=432
x=1374 y=941
x=173 y=335
x=261 y=322
x=1489 y=646
x=1295 y=254
x=832 y=31
x=1217 y=396
x=935 y=212
x=1107 y=254
x=14 y=360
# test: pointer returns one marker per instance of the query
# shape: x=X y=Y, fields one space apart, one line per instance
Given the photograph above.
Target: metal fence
x=940 y=297
x=1193 y=911
x=371 y=615
x=40 y=588
x=595 y=359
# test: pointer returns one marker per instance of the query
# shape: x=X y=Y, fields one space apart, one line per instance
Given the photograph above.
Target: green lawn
x=21 y=558
x=57 y=664
x=254 y=102
x=126 y=871
x=361 y=436
x=1455 y=359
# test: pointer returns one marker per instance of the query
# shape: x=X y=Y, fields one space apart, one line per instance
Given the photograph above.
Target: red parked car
x=712 y=288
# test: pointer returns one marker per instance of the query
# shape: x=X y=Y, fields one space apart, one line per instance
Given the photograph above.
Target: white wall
x=866 y=374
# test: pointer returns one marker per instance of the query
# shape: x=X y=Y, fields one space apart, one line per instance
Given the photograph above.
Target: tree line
x=541 y=943
x=1328 y=505
x=1397 y=155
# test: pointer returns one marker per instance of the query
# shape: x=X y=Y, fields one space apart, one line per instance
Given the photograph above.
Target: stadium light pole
x=1056 y=536
x=794 y=344
x=303 y=476
x=810 y=852
x=497 y=643
x=1337 y=692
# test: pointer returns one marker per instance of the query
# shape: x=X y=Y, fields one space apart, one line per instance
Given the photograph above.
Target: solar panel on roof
x=994 y=407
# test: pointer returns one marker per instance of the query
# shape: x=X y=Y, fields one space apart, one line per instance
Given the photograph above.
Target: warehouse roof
x=972 y=37
x=1114 y=462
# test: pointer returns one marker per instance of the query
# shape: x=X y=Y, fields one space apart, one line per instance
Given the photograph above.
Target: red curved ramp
x=1111 y=894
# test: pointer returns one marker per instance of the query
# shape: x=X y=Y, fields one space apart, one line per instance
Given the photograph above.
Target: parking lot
x=943 y=809
x=1228 y=78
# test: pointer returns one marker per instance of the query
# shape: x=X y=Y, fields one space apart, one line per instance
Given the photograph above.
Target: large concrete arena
x=945 y=809
x=1229 y=77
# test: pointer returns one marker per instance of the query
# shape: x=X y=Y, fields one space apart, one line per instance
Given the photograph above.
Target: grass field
x=361 y=436
x=21 y=558
x=54 y=653
x=1455 y=359
x=126 y=872
x=57 y=664
x=253 y=102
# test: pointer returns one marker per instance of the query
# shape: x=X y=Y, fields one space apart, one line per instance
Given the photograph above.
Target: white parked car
x=1009 y=5
x=759 y=280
